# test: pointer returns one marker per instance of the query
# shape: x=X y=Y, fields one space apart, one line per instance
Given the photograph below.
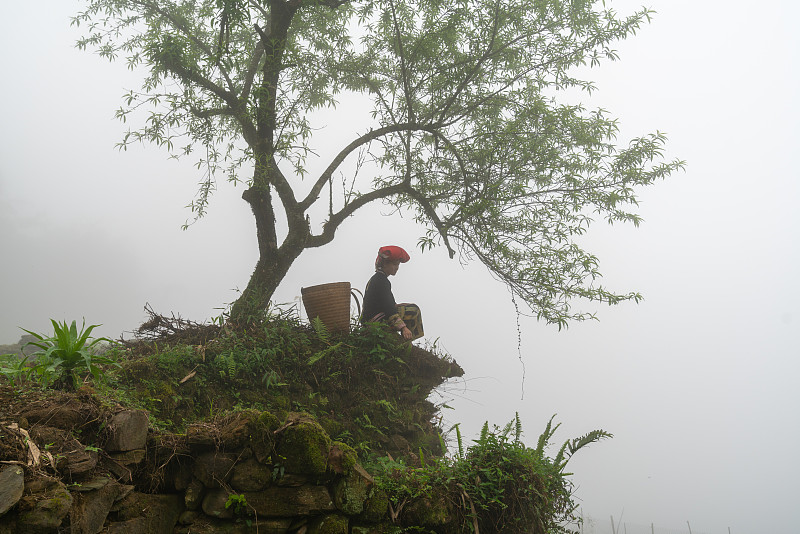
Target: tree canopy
x=468 y=133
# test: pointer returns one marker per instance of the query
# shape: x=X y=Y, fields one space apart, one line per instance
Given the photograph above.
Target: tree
x=468 y=134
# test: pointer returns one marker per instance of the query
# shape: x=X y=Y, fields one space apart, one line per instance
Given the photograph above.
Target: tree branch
x=284 y=189
x=188 y=33
x=258 y=53
x=330 y=226
x=430 y=212
x=334 y=4
x=468 y=79
x=258 y=7
x=208 y=113
x=403 y=67
x=248 y=129
x=313 y=195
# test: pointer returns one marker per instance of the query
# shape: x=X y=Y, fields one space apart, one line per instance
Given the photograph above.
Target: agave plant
x=67 y=354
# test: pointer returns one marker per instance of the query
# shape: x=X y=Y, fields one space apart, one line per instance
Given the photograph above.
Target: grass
x=366 y=388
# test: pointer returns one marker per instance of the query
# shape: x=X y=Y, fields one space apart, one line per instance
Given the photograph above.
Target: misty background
x=698 y=383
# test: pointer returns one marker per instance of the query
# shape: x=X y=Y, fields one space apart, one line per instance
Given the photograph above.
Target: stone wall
x=246 y=473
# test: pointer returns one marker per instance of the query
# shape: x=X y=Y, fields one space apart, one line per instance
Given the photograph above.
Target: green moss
x=350 y=493
x=332 y=426
x=267 y=422
x=282 y=403
x=375 y=506
x=329 y=524
x=48 y=513
x=303 y=448
x=433 y=512
x=348 y=457
x=381 y=528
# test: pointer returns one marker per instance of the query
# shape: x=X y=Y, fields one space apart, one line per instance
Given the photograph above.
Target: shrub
x=496 y=485
x=62 y=357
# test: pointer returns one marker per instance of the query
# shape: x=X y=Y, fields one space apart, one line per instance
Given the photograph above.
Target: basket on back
x=329 y=302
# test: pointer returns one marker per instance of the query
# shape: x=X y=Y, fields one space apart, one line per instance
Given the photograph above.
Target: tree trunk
x=252 y=304
x=273 y=261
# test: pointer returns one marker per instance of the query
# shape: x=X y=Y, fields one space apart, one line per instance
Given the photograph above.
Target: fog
x=698 y=383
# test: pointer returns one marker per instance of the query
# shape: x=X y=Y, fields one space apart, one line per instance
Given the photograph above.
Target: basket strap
x=358 y=304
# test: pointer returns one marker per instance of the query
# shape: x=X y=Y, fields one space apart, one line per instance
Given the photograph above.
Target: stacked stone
x=251 y=474
x=286 y=478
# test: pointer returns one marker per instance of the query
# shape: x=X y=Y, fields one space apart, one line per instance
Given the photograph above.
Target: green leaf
x=67 y=353
x=473 y=130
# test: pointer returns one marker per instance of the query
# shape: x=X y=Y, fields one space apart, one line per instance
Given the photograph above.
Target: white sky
x=699 y=383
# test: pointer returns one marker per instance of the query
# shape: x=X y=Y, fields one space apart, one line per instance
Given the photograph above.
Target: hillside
x=279 y=427
x=16 y=348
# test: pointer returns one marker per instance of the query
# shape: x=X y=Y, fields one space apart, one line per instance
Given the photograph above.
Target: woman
x=379 y=304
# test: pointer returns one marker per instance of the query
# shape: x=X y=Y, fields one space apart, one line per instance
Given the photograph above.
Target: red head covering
x=391 y=253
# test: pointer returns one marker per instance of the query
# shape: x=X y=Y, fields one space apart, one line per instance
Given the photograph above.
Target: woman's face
x=391 y=267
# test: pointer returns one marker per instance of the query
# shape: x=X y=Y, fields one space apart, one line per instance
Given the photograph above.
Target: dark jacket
x=378 y=299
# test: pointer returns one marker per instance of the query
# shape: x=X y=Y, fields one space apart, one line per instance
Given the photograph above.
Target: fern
x=386 y=405
x=544 y=439
x=232 y=367
x=272 y=379
x=460 y=443
x=559 y=460
x=572 y=446
x=506 y=429
x=228 y=367
x=321 y=330
x=484 y=433
x=442 y=444
x=323 y=353
x=592 y=437
x=517 y=429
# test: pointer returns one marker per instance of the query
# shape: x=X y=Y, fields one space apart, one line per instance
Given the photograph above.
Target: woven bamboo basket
x=329 y=302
